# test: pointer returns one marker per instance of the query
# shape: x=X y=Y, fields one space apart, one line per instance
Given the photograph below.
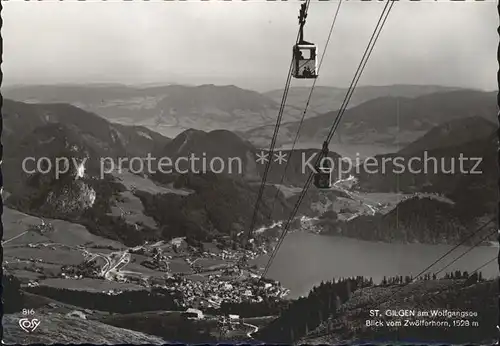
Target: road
x=114 y=262
x=255 y=329
x=23 y=233
x=13 y=238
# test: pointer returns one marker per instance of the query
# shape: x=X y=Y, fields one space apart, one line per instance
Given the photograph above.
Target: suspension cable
x=361 y=68
x=466 y=252
x=471 y=235
x=392 y=294
x=484 y=265
x=353 y=86
x=297 y=135
x=275 y=135
x=498 y=133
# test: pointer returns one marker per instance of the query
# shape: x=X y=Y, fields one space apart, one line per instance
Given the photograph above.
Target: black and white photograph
x=250 y=172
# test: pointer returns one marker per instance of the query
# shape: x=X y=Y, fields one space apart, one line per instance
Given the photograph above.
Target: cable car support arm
x=324 y=153
x=302 y=21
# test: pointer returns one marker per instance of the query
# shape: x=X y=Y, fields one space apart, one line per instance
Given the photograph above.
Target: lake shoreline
x=305 y=259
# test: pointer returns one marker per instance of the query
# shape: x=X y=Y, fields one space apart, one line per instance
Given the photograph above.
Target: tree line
x=126 y=302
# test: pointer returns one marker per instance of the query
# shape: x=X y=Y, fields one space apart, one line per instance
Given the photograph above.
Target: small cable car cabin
x=304 y=53
x=304 y=61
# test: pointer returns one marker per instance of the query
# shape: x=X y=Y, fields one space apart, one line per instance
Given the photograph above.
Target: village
x=206 y=280
x=212 y=276
x=231 y=279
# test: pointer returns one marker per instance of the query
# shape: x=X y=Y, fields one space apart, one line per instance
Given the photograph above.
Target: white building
x=193 y=314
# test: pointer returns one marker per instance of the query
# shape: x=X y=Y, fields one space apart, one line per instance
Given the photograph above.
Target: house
x=179 y=243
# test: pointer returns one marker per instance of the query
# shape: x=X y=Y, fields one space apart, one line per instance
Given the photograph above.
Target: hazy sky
x=246 y=43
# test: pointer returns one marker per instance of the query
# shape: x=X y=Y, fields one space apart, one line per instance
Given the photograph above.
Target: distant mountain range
x=386 y=121
x=166 y=109
x=325 y=99
x=21 y=119
x=450 y=134
x=171 y=109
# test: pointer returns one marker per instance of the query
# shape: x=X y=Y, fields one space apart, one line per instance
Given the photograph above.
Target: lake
x=306 y=259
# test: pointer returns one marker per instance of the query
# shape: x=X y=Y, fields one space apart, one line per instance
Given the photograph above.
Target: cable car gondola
x=323 y=178
x=304 y=53
x=304 y=61
x=323 y=175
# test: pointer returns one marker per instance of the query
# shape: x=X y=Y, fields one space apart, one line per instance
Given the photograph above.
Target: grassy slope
x=456 y=295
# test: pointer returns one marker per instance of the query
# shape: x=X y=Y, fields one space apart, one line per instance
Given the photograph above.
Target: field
x=209 y=263
x=131 y=208
x=65 y=245
x=171 y=322
x=67 y=233
x=143 y=271
x=58 y=256
x=89 y=285
x=34 y=256
x=133 y=181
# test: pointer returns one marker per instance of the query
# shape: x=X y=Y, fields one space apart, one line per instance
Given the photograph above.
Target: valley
x=127 y=247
